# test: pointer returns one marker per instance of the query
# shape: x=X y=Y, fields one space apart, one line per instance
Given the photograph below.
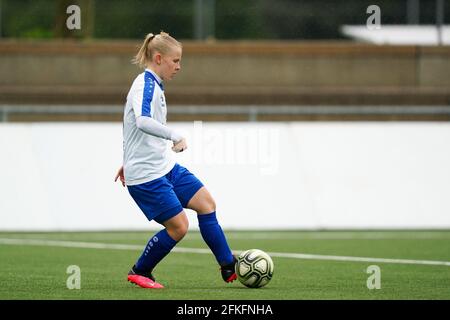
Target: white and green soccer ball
x=254 y=268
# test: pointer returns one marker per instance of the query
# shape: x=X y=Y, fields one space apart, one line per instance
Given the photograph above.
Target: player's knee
x=181 y=229
x=212 y=206
x=184 y=228
x=208 y=207
x=177 y=227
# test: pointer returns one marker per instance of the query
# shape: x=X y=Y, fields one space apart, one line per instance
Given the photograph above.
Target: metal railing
x=251 y=112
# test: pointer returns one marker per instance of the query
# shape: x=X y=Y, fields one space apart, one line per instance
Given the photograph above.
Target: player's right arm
x=143 y=106
x=154 y=128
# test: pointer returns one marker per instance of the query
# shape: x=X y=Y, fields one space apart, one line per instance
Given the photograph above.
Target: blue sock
x=214 y=237
x=157 y=248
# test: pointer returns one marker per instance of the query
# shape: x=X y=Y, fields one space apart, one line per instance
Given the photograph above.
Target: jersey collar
x=155 y=77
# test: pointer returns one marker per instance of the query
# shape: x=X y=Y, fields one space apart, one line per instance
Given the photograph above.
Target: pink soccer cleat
x=144 y=281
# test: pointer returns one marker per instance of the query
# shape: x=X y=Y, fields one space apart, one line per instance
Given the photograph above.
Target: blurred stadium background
x=341 y=127
x=250 y=54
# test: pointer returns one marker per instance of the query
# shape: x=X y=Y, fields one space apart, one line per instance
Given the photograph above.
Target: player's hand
x=121 y=176
x=179 y=146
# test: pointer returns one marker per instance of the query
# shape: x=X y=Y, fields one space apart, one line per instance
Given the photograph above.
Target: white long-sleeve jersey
x=146 y=154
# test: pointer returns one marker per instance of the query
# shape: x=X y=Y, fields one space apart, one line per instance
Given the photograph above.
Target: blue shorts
x=165 y=197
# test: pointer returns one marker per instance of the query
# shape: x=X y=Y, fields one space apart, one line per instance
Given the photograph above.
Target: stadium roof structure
x=398 y=34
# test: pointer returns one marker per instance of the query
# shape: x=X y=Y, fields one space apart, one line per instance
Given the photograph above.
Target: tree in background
x=233 y=19
x=87 y=9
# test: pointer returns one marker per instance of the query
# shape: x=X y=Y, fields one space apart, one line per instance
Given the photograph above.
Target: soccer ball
x=254 y=268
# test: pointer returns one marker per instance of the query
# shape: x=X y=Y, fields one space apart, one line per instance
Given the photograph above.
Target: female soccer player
x=160 y=186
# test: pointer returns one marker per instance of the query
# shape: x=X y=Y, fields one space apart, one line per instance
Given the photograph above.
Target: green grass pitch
x=38 y=271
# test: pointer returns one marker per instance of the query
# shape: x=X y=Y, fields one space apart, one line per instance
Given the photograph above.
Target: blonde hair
x=161 y=43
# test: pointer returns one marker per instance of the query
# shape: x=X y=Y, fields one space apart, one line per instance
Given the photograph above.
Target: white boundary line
x=115 y=246
x=258 y=235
